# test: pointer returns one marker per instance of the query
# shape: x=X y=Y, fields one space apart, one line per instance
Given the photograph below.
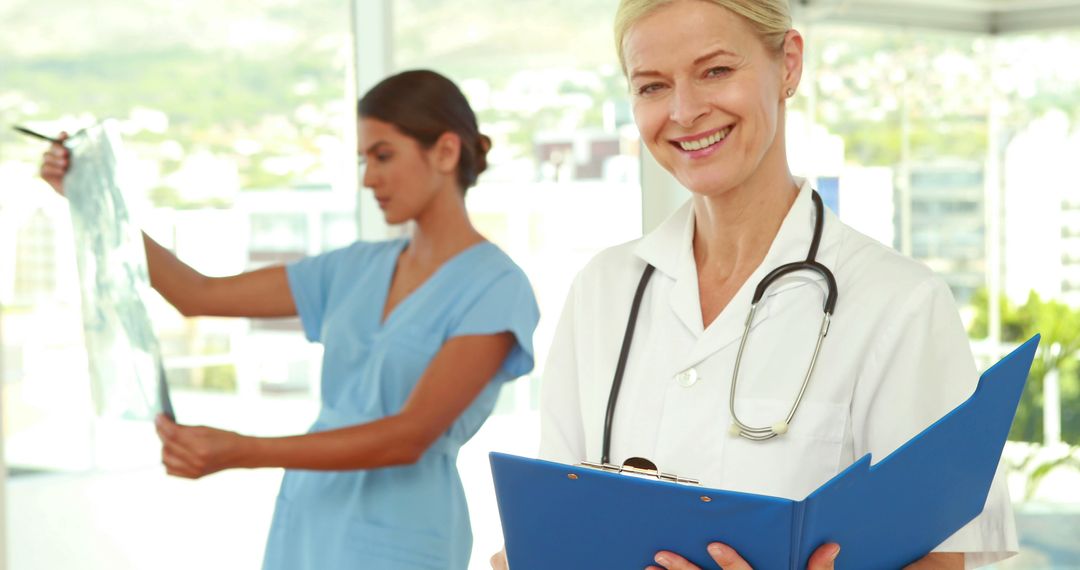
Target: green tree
x=1059 y=325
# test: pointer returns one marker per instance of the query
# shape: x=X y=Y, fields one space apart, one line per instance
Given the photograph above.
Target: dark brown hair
x=424 y=105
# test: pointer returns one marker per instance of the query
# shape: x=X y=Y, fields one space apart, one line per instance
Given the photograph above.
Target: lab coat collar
x=675 y=234
x=670 y=249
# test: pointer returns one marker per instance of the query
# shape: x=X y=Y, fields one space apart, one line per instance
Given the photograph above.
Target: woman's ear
x=792 y=58
x=446 y=152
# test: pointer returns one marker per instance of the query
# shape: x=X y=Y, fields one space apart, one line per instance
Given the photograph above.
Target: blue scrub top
x=412 y=516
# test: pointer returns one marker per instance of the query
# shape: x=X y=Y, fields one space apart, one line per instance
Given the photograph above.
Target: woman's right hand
x=55 y=163
x=498 y=560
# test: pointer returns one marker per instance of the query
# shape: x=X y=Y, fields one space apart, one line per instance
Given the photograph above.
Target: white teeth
x=706 y=141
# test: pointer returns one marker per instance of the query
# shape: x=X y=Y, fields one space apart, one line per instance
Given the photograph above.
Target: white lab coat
x=895 y=360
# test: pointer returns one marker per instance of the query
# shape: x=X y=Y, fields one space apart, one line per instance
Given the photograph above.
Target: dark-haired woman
x=419 y=334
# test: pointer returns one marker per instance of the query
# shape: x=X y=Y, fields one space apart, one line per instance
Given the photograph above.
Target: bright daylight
x=353 y=304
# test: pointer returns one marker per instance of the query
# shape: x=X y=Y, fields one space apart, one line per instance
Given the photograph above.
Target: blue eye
x=649 y=88
x=718 y=71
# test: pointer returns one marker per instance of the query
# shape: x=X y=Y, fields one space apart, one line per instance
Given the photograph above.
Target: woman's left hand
x=196 y=451
x=726 y=558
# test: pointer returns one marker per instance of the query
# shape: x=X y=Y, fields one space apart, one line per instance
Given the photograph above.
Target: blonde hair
x=770 y=19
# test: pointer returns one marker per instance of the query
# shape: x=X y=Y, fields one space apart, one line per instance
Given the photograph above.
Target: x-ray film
x=126 y=370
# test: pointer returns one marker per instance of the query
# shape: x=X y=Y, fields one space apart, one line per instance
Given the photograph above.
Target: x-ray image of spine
x=123 y=352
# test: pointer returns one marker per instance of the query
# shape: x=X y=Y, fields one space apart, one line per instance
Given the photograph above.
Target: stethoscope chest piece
x=778 y=428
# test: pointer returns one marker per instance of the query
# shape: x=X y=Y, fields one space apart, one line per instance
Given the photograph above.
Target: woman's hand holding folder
x=498 y=560
x=726 y=558
x=724 y=555
x=822 y=559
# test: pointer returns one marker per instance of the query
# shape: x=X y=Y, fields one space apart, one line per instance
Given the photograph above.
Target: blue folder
x=885 y=515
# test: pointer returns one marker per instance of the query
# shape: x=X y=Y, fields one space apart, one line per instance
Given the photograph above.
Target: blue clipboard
x=884 y=515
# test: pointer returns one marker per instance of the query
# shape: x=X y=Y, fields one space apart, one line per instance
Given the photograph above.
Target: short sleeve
x=920 y=369
x=310 y=279
x=506 y=305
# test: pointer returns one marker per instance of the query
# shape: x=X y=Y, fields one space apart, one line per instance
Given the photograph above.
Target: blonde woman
x=709 y=82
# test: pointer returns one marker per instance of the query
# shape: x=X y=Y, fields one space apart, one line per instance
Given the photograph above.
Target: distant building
x=36 y=250
x=948 y=223
x=575 y=155
x=286 y=224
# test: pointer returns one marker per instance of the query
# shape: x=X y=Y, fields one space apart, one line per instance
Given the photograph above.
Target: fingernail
x=661 y=560
x=835 y=553
x=716 y=550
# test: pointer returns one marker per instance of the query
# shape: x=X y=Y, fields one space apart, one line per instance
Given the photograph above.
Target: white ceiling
x=974 y=16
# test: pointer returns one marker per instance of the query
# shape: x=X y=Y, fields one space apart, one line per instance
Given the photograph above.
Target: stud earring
x=790 y=92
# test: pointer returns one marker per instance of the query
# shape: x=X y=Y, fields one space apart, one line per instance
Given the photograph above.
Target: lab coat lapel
x=667 y=248
x=791 y=244
x=684 y=299
x=728 y=326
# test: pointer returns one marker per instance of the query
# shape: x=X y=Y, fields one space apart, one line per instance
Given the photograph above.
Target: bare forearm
x=460 y=371
x=178 y=282
x=261 y=293
x=394 y=440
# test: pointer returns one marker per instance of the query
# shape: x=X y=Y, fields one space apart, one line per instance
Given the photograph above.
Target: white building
x=1042 y=212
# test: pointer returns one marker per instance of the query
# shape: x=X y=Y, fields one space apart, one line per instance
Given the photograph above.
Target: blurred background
x=947 y=130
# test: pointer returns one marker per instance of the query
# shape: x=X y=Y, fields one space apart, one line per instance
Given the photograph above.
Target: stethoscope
x=738 y=427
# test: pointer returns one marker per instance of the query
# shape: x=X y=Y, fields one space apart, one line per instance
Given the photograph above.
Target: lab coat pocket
x=790 y=465
x=377 y=546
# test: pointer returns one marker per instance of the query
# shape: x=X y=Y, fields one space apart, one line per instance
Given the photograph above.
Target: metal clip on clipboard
x=640 y=467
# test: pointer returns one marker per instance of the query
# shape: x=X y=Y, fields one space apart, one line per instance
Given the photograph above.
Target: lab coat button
x=687 y=378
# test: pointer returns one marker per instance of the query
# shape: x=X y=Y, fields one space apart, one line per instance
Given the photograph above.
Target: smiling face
x=404 y=176
x=708 y=94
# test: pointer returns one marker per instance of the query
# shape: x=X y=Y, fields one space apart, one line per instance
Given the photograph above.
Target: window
x=237 y=122
x=35 y=260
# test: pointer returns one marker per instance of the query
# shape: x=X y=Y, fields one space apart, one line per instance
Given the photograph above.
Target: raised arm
x=261 y=293
x=455 y=377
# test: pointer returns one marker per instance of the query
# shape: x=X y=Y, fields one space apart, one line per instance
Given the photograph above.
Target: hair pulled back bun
x=424 y=105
